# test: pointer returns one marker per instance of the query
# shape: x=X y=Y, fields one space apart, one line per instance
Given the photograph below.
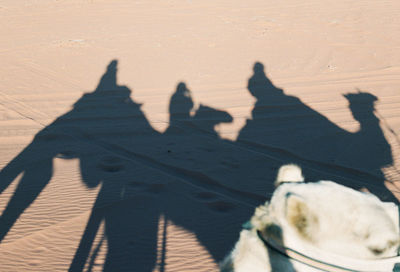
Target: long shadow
x=84 y=133
x=152 y=180
x=188 y=175
x=144 y=176
x=109 y=117
x=283 y=125
x=195 y=148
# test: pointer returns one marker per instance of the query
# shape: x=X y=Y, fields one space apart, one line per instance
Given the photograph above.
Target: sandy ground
x=140 y=135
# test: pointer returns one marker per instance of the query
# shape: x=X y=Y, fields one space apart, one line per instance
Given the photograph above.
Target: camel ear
x=289 y=173
x=300 y=217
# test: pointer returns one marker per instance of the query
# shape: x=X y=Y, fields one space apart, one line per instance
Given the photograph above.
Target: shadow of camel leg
x=35 y=178
x=92 y=227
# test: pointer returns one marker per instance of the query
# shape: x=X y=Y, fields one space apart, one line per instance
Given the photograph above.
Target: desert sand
x=140 y=135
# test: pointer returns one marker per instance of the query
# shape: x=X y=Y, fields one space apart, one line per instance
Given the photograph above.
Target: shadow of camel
x=284 y=125
x=187 y=176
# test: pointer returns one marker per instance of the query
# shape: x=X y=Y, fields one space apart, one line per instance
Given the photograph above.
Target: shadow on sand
x=284 y=125
x=188 y=175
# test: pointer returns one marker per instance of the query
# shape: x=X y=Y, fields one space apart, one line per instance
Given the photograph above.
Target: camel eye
x=376 y=251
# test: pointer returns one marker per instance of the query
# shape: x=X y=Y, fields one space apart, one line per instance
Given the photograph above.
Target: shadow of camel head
x=361 y=104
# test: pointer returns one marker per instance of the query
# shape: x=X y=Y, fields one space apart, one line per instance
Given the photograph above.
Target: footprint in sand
x=67 y=154
x=205 y=196
x=153 y=188
x=111 y=164
x=221 y=206
x=212 y=202
x=137 y=185
x=156 y=188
